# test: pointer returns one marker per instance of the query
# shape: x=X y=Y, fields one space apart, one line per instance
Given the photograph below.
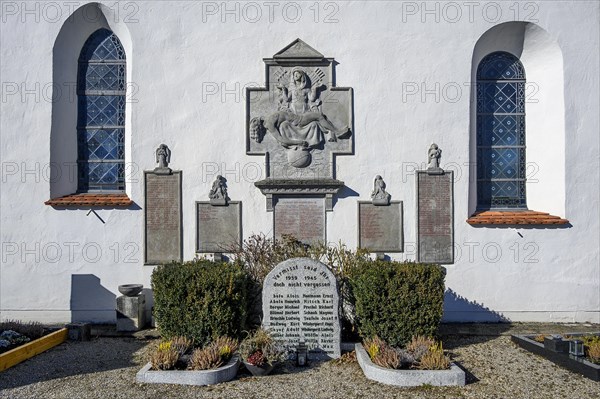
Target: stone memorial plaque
x=380 y=228
x=300 y=303
x=435 y=217
x=162 y=216
x=304 y=218
x=218 y=228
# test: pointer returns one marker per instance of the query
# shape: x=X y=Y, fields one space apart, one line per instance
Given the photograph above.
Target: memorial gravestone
x=380 y=225
x=162 y=211
x=300 y=304
x=435 y=211
x=218 y=221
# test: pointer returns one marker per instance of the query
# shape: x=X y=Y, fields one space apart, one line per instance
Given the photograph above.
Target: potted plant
x=422 y=362
x=177 y=362
x=260 y=353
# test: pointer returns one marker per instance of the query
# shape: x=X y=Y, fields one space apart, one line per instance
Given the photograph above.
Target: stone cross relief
x=300 y=120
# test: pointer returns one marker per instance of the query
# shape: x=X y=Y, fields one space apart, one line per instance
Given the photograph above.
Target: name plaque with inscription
x=380 y=228
x=435 y=217
x=162 y=217
x=304 y=218
x=218 y=228
x=300 y=304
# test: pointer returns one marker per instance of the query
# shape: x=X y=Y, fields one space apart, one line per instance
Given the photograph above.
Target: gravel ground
x=106 y=368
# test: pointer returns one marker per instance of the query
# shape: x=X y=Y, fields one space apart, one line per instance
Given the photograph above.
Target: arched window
x=101 y=87
x=500 y=132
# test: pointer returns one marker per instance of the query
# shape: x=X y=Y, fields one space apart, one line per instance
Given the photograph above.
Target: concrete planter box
x=190 y=377
x=408 y=378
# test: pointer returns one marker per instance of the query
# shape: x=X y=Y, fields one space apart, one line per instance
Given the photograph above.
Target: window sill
x=91 y=200
x=519 y=218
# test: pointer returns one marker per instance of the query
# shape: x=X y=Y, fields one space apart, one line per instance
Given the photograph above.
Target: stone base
x=79 y=331
x=218 y=201
x=190 y=377
x=408 y=378
x=435 y=171
x=382 y=201
x=556 y=345
x=163 y=171
x=131 y=313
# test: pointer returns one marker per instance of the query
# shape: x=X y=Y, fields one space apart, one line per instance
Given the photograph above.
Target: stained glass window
x=101 y=113
x=500 y=132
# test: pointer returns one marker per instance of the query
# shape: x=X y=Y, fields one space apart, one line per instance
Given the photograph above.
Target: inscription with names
x=435 y=217
x=304 y=218
x=162 y=214
x=300 y=304
x=380 y=227
x=219 y=228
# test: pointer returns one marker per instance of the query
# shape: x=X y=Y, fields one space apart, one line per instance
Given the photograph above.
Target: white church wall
x=187 y=70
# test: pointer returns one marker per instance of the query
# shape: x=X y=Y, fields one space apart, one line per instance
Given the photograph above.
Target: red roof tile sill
x=91 y=200
x=530 y=218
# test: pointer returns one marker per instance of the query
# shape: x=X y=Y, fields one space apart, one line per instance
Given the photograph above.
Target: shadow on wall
x=460 y=309
x=90 y=301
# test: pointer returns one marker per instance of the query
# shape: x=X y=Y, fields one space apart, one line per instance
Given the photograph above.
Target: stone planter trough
x=190 y=377
x=408 y=378
x=558 y=353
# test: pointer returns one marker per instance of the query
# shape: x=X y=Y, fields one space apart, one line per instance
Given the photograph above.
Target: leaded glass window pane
x=501 y=132
x=101 y=113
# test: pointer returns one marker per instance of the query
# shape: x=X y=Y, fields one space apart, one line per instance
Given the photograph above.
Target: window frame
x=498 y=71
x=89 y=93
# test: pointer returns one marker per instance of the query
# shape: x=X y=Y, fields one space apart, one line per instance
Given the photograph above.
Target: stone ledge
x=408 y=378
x=91 y=200
x=190 y=377
x=531 y=218
x=321 y=187
x=296 y=186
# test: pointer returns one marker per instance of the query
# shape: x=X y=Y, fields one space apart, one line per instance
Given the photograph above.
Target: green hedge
x=200 y=300
x=397 y=300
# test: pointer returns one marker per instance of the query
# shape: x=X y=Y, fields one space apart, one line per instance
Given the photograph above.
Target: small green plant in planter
x=422 y=353
x=175 y=354
x=260 y=353
x=213 y=355
x=592 y=348
x=16 y=333
x=539 y=338
x=165 y=357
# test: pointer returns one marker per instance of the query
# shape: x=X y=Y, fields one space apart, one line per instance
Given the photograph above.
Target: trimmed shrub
x=200 y=300
x=396 y=301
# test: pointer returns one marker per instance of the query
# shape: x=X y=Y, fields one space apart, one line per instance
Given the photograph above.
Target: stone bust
x=163 y=157
x=218 y=192
x=379 y=196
